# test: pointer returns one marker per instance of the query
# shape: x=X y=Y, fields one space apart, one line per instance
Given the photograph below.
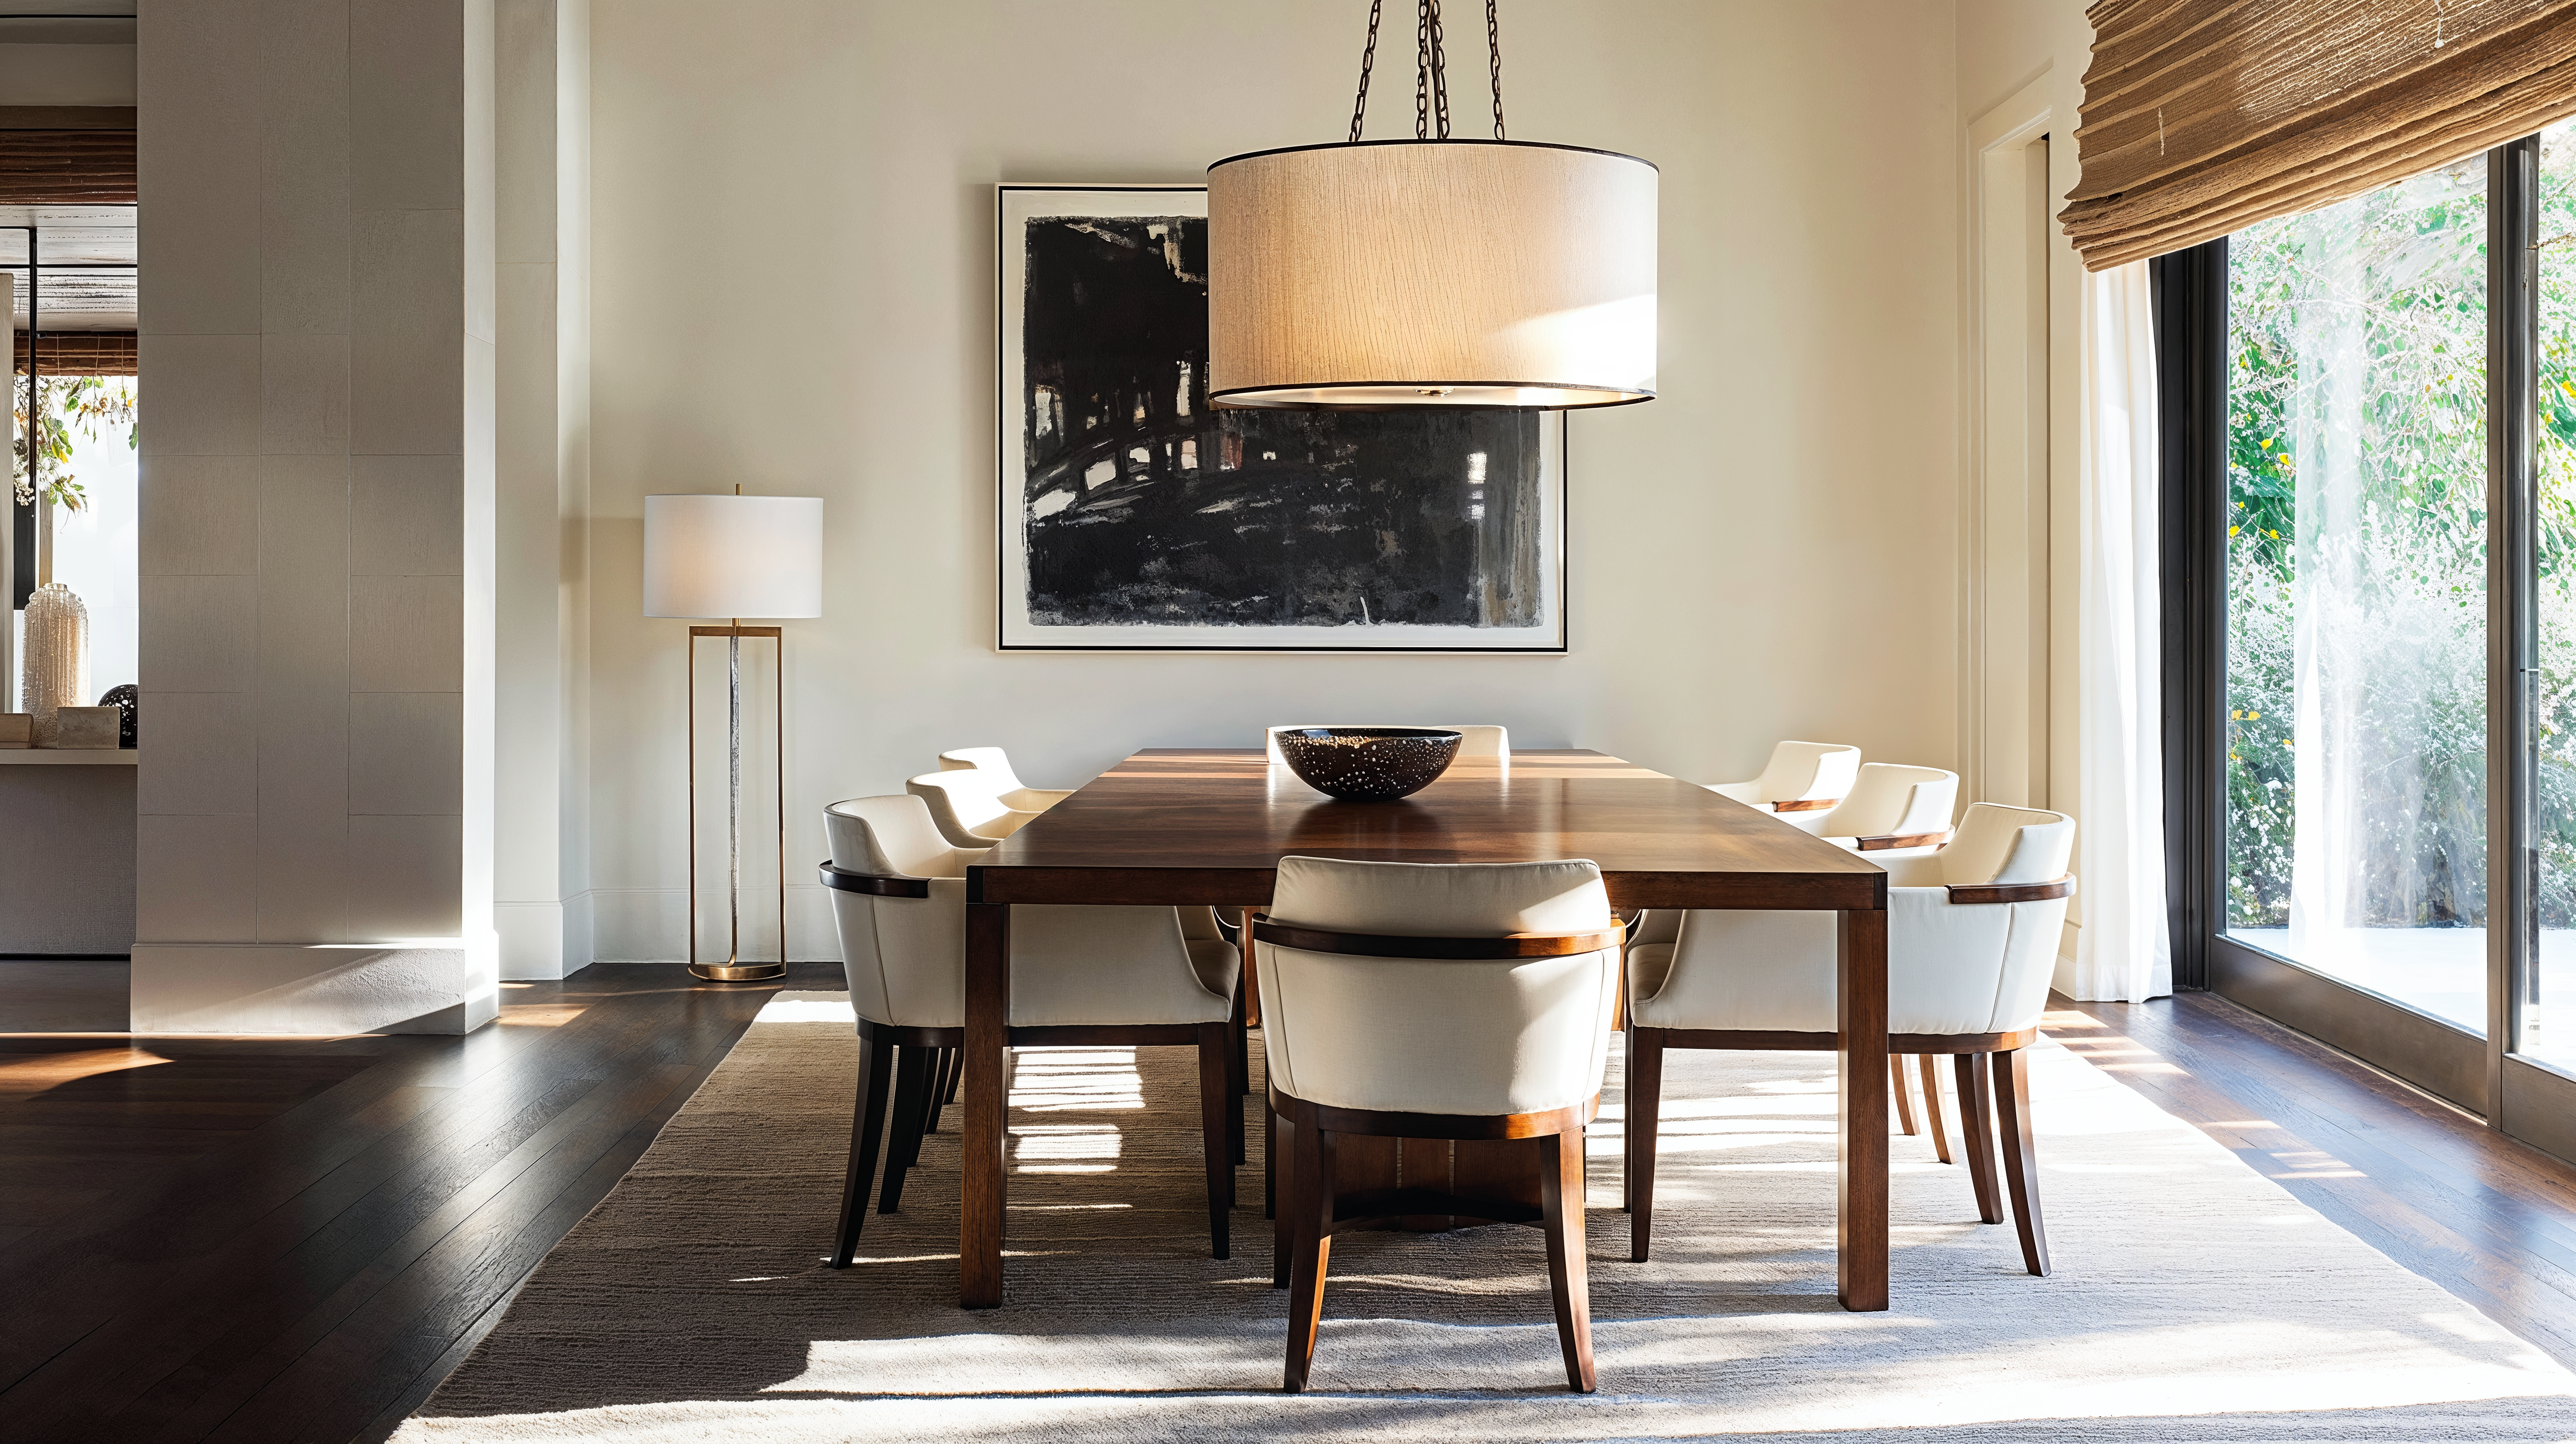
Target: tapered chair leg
x=1560 y=1192
x=956 y=1074
x=2021 y=1157
x=1311 y=1202
x=1977 y=1133
x=1283 y=1222
x=911 y=1085
x=1270 y=1161
x=1932 y=1106
x=1238 y=1076
x=1904 y=1094
x=1627 y=1108
x=1240 y=1065
x=867 y=1134
x=1216 y=1136
x=1645 y=1101
x=943 y=1065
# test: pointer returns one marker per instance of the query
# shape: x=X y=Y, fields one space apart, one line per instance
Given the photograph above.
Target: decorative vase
x=57 y=652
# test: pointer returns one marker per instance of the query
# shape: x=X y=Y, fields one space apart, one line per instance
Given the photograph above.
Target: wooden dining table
x=1185 y=826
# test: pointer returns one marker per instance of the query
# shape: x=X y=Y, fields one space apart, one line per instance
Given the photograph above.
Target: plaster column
x=541 y=764
x=314 y=840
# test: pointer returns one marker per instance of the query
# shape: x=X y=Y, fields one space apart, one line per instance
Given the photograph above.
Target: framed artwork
x=1135 y=517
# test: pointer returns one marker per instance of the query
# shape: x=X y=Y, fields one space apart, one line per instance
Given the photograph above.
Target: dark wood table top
x=1177 y=825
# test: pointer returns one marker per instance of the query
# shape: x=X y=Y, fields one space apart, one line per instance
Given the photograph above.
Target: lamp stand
x=733 y=969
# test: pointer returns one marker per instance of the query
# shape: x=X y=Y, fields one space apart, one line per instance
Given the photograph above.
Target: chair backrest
x=961 y=803
x=1806 y=771
x=892 y=836
x=992 y=761
x=904 y=957
x=1477 y=740
x=1890 y=799
x=1423 y=1035
x=2002 y=845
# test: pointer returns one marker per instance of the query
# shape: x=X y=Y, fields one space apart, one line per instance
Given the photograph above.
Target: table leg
x=981 y=1208
x=1861 y=992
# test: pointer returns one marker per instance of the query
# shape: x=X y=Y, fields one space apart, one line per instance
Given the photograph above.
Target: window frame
x=2522 y=1097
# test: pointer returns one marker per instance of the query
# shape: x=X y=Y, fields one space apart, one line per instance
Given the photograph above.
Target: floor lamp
x=734 y=557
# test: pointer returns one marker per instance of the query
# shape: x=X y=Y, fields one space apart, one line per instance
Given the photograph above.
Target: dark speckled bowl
x=1368 y=764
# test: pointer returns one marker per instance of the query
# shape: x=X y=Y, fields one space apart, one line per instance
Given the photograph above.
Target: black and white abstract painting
x=1136 y=517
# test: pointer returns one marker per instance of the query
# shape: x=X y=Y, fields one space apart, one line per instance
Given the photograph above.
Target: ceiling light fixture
x=1431 y=272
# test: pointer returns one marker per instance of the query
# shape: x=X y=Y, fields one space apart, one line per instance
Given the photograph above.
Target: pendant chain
x=1430 y=76
x=1368 y=61
x=1431 y=71
x=1494 y=48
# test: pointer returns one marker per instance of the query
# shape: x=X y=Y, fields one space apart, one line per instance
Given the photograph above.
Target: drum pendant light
x=1383 y=274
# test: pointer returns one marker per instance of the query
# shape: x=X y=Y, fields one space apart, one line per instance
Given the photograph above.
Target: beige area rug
x=2193 y=1299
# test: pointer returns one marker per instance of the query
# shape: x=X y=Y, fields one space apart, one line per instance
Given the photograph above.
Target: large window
x=2369 y=470
x=2356 y=546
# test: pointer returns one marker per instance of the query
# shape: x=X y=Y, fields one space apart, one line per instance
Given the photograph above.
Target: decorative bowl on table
x=1368 y=764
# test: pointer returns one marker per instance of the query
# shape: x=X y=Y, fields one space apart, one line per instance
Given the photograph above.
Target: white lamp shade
x=733 y=556
x=1431 y=273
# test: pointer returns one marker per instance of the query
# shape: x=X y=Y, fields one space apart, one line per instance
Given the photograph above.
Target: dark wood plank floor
x=2432 y=1187
x=237 y=1239
x=273 y=1240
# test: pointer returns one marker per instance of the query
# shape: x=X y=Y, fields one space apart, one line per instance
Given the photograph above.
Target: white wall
x=313 y=849
x=794 y=260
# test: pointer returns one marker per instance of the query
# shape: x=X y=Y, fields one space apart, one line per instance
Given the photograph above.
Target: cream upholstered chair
x=1466 y=1002
x=1479 y=740
x=966 y=809
x=1113 y=975
x=994 y=767
x=1893 y=809
x=1972 y=938
x=1801 y=782
x=1895 y=812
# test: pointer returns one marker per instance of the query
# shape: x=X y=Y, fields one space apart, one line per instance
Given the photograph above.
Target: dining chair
x=1465 y=1002
x=1480 y=740
x=994 y=765
x=1896 y=812
x=1116 y=976
x=966 y=807
x=1893 y=809
x=1972 y=939
x=1801 y=782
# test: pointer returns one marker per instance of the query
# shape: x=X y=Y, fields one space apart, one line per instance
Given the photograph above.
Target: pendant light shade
x=1431 y=273
x=1377 y=275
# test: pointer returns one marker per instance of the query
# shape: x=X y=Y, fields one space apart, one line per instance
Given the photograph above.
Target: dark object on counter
x=1368 y=764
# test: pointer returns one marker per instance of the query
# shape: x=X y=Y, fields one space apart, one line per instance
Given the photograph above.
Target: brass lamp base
x=738 y=972
x=734 y=969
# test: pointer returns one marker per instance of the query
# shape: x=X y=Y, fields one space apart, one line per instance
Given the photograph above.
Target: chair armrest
x=1380 y=945
x=1970 y=896
x=875 y=883
x=1887 y=841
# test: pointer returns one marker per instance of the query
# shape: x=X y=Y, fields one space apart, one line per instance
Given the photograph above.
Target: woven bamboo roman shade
x=2202 y=117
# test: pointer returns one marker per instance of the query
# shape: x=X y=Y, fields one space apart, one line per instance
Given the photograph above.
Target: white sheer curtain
x=2121 y=951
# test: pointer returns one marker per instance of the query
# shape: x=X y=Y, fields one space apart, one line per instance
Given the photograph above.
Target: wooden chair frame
x=1979 y=1081
x=925 y=1068
x=1311 y=1209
